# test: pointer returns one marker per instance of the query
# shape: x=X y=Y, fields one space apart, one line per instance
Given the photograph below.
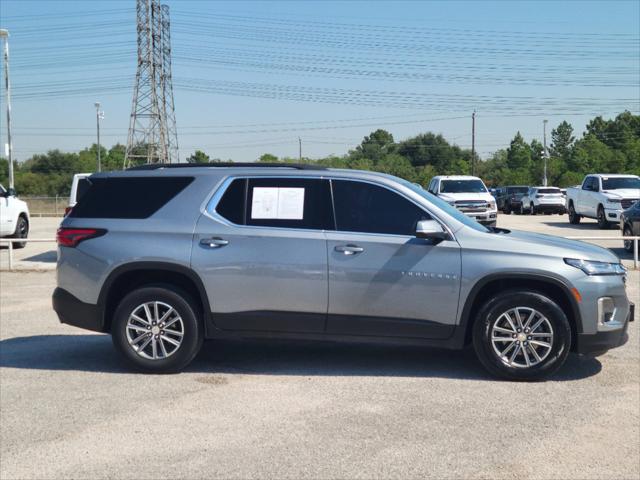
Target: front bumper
x=485 y=218
x=601 y=342
x=612 y=215
x=74 y=312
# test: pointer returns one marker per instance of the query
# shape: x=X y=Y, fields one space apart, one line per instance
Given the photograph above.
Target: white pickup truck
x=602 y=197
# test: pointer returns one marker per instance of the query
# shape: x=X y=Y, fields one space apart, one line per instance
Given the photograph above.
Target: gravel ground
x=70 y=408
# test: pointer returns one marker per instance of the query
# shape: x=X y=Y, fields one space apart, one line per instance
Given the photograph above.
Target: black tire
x=22 y=231
x=186 y=308
x=603 y=224
x=628 y=244
x=532 y=209
x=522 y=210
x=506 y=209
x=490 y=314
x=574 y=218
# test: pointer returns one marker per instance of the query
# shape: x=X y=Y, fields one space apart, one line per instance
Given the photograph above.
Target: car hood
x=447 y=197
x=553 y=246
x=623 y=193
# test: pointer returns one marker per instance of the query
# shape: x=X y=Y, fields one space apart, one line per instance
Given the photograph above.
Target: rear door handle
x=214 y=242
x=349 y=249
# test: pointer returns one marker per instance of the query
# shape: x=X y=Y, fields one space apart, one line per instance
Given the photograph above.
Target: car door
x=383 y=281
x=262 y=254
x=586 y=199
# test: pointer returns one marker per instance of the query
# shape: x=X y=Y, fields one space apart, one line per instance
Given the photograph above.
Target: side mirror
x=430 y=229
x=11 y=192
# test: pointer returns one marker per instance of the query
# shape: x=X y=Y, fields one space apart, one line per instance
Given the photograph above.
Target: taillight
x=71 y=237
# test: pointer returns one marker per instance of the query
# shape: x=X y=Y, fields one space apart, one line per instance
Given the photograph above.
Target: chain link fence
x=46 y=206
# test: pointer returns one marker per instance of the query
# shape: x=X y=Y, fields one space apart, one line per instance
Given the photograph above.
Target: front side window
x=366 y=208
x=462 y=186
x=278 y=202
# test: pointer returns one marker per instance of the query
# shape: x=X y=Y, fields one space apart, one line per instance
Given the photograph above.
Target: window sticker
x=277 y=203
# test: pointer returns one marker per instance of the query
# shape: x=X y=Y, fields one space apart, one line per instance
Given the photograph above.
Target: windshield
x=616 y=183
x=442 y=205
x=549 y=190
x=462 y=186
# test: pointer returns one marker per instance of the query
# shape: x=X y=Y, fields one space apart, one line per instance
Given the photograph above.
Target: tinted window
x=367 y=208
x=522 y=190
x=128 y=197
x=83 y=186
x=548 y=190
x=289 y=203
x=231 y=205
x=462 y=186
x=620 y=182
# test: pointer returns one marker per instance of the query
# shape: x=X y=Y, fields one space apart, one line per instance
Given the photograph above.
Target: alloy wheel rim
x=522 y=337
x=155 y=330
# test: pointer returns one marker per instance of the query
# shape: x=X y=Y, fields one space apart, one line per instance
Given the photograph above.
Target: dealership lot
x=71 y=408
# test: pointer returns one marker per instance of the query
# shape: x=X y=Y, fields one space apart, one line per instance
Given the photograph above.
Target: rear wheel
x=602 y=219
x=532 y=209
x=574 y=218
x=22 y=231
x=157 y=329
x=628 y=244
x=521 y=335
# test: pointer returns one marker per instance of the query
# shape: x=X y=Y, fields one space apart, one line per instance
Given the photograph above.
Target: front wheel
x=628 y=244
x=521 y=335
x=22 y=231
x=157 y=329
x=603 y=224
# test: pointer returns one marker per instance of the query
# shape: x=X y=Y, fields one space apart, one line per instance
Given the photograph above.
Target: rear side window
x=128 y=197
x=366 y=208
x=278 y=202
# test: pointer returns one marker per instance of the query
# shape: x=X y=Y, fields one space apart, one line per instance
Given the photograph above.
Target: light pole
x=99 y=115
x=544 y=176
x=5 y=35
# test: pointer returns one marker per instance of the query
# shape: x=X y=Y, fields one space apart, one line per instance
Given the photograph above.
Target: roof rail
x=297 y=166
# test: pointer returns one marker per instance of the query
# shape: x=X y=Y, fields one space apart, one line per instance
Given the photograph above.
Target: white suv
x=468 y=194
x=14 y=216
x=543 y=200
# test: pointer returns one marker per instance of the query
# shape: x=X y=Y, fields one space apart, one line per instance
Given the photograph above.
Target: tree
x=268 y=158
x=198 y=157
x=562 y=140
x=375 y=146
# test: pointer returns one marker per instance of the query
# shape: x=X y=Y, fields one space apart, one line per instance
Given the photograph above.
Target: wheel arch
x=488 y=286
x=137 y=274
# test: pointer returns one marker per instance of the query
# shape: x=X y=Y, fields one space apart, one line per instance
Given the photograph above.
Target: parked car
x=164 y=256
x=468 y=194
x=630 y=224
x=14 y=216
x=509 y=198
x=79 y=185
x=543 y=200
x=603 y=197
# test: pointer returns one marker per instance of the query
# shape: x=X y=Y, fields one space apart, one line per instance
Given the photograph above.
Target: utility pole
x=7 y=84
x=544 y=140
x=300 y=149
x=99 y=115
x=473 y=143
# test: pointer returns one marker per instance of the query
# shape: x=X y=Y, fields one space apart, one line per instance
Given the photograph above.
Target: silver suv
x=163 y=257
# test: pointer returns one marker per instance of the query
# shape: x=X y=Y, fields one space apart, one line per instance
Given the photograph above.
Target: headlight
x=614 y=201
x=591 y=267
x=492 y=204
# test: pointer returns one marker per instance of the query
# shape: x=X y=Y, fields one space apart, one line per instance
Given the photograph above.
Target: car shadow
x=95 y=353
x=47 y=257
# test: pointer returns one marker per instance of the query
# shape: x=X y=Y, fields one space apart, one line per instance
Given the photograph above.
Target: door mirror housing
x=11 y=192
x=430 y=229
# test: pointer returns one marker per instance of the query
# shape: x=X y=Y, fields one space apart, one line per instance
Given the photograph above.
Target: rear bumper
x=550 y=207
x=599 y=343
x=74 y=312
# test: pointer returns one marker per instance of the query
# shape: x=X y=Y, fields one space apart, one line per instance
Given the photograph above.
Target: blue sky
x=252 y=77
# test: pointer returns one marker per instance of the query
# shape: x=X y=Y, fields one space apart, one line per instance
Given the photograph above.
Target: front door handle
x=214 y=242
x=349 y=249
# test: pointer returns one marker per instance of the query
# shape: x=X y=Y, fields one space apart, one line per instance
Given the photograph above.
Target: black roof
x=297 y=166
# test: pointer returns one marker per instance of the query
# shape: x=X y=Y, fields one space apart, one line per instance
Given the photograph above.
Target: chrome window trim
x=208 y=207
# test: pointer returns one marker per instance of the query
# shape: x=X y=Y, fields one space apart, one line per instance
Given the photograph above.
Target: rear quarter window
x=128 y=197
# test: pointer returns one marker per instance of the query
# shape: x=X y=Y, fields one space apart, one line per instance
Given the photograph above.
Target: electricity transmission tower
x=152 y=128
